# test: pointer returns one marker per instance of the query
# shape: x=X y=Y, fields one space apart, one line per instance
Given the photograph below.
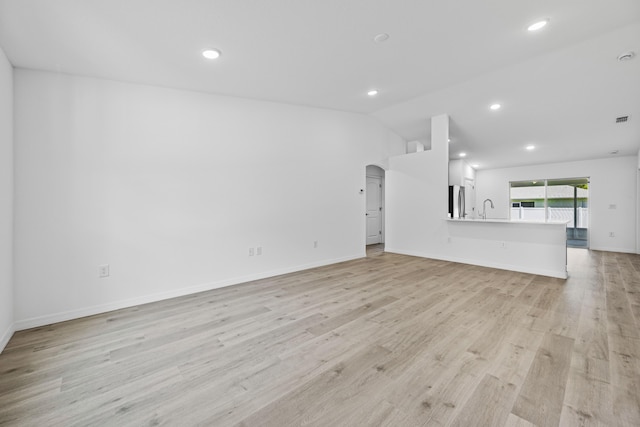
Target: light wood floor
x=387 y=340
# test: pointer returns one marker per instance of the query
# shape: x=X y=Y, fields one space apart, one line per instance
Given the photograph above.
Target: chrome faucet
x=484 y=207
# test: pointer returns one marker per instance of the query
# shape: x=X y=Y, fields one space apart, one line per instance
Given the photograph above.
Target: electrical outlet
x=259 y=250
x=315 y=244
x=103 y=271
x=612 y=234
x=251 y=252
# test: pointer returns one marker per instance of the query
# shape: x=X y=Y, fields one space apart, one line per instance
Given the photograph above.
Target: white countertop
x=506 y=221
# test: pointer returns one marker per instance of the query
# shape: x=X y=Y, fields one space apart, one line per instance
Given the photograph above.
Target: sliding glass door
x=528 y=200
x=554 y=200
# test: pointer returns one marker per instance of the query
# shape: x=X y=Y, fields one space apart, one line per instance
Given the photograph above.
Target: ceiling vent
x=622 y=119
x=625 y=56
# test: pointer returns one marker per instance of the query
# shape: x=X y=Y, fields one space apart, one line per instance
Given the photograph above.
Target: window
x=554 y=200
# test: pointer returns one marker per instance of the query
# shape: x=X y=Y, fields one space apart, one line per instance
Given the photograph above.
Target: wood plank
x=540 y=399
x=588 y=398
x=625 y=379
x=344 y=318
x=512 y=362
x=515 y=421
x=315 y=399
x=489 y=405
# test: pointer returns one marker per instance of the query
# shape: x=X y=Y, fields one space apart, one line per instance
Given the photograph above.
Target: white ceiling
x=561 y=88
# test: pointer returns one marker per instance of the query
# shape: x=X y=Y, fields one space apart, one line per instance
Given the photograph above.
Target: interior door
x=374 y=210
x=470 y=198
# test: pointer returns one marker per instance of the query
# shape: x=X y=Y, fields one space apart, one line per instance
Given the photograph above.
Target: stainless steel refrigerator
x=456 y=202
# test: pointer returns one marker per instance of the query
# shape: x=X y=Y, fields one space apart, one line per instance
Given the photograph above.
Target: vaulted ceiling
x=560 y=88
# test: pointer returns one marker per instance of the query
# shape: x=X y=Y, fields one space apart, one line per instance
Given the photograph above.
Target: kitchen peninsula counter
x=504 y=220
x=536 y=247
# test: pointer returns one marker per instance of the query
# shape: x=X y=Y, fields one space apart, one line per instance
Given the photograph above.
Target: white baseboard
x=6 y=336
x=608 y=249
x=539 y=271
x=48 y=319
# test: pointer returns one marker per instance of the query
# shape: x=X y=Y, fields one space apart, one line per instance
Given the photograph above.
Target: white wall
x=458 y=171
x=6 y=200
x=171 y=188
x=417 y=196
x=612 y=182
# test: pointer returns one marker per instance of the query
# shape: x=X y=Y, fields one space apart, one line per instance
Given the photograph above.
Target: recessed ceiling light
x=463 y=154
x=495 y=106
x=530 y=147
x=538 y=25
x=448 y=139
x=475 y=165
x=382 y=37
x=211 y=53
x=372 y=92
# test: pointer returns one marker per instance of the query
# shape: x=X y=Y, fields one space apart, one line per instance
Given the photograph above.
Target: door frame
x=466 y=182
